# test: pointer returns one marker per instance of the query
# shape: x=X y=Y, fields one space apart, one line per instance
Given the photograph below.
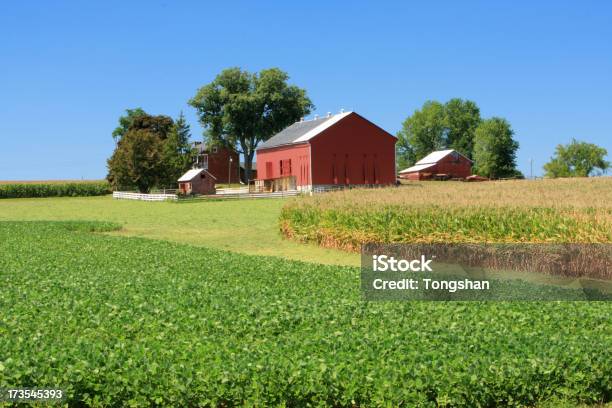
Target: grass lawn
x=246 y=226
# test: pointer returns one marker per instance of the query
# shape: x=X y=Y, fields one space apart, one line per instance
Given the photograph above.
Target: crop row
x=54 y=189
x=128 y=321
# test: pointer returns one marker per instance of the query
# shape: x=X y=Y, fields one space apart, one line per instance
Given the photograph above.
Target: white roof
x=435 y=157
x=328 y=123
x=417 y=167
x=190 y=174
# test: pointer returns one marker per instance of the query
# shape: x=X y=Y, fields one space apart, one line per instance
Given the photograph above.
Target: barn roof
x=430 y=160
x=436 y=156
x=302 y=131
x=417 y=167
x=193 y=173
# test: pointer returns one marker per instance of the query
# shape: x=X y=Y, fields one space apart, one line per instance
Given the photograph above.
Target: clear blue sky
x=69 y=69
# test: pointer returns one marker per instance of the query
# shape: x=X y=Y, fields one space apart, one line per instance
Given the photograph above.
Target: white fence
x=123 y=195
x=276 y=194
x=239 y=190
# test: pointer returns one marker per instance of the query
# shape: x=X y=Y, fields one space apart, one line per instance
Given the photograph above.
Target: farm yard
x=205 y=304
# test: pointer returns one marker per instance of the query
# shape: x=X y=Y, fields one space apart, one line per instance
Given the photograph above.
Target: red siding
x=218 y=165
x=353 y=151
x=269 y=163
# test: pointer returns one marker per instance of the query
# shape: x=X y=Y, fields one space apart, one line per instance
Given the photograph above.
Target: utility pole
x=229 y=174
x=531 y=166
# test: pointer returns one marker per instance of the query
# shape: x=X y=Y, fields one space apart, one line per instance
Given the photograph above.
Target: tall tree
x=240 y=109
x=138 y=159
x=577 y=159
x=495 y=149
x=421 y=133
x=438 y=126
x=177 y=154
x=462 y=117
x=126 y=121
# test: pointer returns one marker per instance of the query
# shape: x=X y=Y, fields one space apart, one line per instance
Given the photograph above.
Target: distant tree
x=177 y=154
x=125 y=122
x=462 y=117
x=438 y=126
x=577 y=159
x=421 y=133
x=138 y=159
x=240 y=109
x=495 y=149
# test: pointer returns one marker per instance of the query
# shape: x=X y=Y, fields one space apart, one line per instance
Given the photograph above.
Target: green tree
x=438 y=126
x=577 y=159
x=421 y=133
x=240 y=109
x=495 y=149
x=126 y=121
x=138 y=159
x=462 y=117
x=177 y=155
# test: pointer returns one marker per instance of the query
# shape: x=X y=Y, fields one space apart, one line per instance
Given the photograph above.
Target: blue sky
x=69 y=69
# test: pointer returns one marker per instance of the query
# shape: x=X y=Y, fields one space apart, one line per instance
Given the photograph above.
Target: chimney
x=329 y=114
x=342 y=110
x=302 y=119
x=316 y=117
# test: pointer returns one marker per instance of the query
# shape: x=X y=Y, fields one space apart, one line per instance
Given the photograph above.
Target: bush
x=67 y=189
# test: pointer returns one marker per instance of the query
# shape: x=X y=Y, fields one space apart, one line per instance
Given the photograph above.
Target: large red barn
x=342 y=149
x=448 y=163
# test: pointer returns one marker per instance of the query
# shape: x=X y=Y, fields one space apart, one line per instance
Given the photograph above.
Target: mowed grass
x=119 y=321
x=564 y=210
x=245 y=226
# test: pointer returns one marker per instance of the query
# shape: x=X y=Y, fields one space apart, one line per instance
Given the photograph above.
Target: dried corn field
x=558 y=211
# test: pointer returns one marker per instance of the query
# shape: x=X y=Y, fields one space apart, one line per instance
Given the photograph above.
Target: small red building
x=442 y=163
x=197 y=181
x=342 y=149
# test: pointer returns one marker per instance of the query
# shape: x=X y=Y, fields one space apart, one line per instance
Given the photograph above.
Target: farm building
x=439 y=164
x=221 y=162
x=197 y=181
x=342 y=149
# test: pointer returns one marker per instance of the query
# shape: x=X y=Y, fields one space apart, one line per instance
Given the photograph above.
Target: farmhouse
x=442 y=163
x=197 y=181
x=220 y=162
x=343 y=149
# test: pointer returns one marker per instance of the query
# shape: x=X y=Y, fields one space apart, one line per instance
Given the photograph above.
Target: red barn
x=342 y=149
x=445 y=163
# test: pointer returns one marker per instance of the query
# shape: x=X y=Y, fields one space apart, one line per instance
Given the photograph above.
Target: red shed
x=448 y=163
x=197 y=181
x=342 y=149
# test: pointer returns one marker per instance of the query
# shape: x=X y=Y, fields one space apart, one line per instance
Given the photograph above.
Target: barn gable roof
x=436 y=156
x=430 y=160
x=302 y=131
x=191 y=174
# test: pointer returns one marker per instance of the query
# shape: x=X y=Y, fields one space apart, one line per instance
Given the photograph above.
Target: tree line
x=239 y=110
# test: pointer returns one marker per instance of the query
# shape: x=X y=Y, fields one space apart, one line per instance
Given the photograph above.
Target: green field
x=117 y=318
x=246 y=226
